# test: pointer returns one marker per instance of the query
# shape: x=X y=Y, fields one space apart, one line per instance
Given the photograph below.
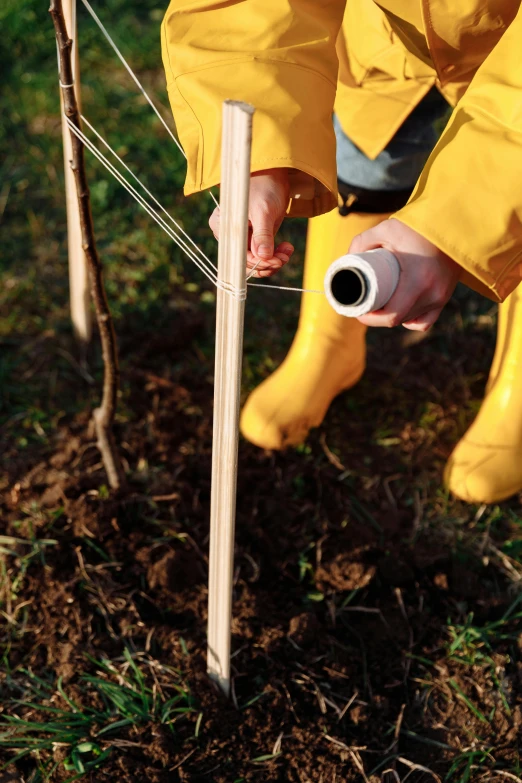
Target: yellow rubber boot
x=486 y=465
x=328 y=352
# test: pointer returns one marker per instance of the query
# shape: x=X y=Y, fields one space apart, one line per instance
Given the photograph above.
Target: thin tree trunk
x=104 y=415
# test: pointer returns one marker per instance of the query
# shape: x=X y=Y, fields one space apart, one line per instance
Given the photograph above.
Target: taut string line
x=137 y=82
x=204 y=264
x=205 y=259
x=174 y=231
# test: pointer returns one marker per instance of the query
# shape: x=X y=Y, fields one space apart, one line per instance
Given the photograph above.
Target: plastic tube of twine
x=359 y=283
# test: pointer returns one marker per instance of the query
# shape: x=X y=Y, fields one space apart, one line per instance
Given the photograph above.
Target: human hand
x=428 y=276
x=269 y=195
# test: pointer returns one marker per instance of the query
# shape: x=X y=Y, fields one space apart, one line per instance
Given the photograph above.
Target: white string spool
x=359 y=283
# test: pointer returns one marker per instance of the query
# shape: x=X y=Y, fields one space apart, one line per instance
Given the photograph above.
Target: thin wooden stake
x=235 y=182
x=81 y=315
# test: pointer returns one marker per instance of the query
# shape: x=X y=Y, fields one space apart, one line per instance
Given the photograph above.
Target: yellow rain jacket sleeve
x=468 y=200
x=276 y=54
x=280 y=55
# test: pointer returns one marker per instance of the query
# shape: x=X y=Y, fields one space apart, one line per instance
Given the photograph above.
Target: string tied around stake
x=175 y=231
x=237 y=293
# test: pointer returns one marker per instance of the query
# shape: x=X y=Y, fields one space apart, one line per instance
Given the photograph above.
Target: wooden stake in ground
x=233 y=237
x=104 y=415
x=81 y=315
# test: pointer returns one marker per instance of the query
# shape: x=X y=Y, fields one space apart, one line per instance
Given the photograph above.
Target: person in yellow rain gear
x=450 y=208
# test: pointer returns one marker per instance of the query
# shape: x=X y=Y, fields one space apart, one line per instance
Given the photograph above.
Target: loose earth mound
x=374 y=619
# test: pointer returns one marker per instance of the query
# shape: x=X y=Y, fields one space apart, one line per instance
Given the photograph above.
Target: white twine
x=287 y=288
x=133 y=175
x=185 y=241
x=137 y=82
x=176 y=233
x=201 y=264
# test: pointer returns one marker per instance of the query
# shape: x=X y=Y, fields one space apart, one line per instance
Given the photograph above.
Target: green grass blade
x=476 y=712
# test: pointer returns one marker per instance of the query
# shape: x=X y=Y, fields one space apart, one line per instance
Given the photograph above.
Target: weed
x=117 y=696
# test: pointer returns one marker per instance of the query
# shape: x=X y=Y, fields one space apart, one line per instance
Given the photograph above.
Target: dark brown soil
x=348 y=570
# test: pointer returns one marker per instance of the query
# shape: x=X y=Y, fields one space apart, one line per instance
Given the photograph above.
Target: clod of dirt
x=176 y=570
x=64 y=666
x=358 y=714
x=303 y=629
x=160 y=746
x=60 y=754
x=65 y=455
x=343 y=573
x=84 y=516
x=440 y=580
x=54 y=494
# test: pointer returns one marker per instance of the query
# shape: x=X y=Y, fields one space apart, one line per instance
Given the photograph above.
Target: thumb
x=262 y=244
x=214 y=222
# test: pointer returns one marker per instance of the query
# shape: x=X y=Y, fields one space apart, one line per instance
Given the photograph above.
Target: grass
x=25 y=551
x=75 y=729
x=33 y=266
x=135 y=691
x=472 y=646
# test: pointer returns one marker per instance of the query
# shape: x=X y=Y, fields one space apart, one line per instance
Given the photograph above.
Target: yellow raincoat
x=298 y=60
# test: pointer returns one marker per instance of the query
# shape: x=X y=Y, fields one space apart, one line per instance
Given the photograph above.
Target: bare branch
x=104 y=415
